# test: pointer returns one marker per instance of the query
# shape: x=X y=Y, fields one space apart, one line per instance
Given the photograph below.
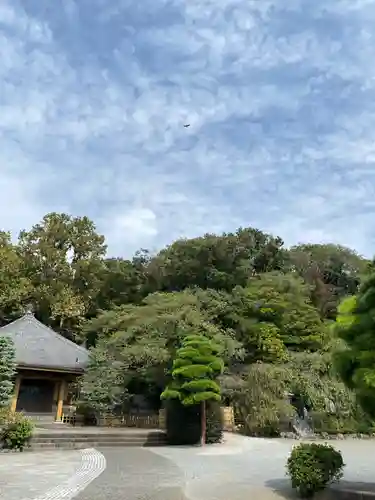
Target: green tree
x=195 y=373
x=216 y=262
x=145 y=337
x=62 y=257
x=166 y=318
x=15 y=287
x=102 y=387
x=7 y=370
x=333 y=271
x=121 y=282
x=274 y=313
x=355 y=325
x=312 y=378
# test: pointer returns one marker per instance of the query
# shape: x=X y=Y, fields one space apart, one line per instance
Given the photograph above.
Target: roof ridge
x=11 y=323
x=58 y=336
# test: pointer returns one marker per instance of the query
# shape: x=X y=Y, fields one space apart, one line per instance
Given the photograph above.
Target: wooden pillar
x=60 y=400
x=17 y=385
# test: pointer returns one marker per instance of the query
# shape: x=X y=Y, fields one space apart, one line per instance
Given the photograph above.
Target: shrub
x=214 y=423
x=312 y=467
x=331 y=424
x=16 y=432
x=260 y=403
x=7 y=370
x=5 y=416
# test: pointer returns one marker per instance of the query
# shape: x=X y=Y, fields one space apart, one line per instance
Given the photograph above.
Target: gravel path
x=241 y=468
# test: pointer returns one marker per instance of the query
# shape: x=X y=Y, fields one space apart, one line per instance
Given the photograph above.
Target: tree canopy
x=195 y=370
x=265 y=305
x=355 y=325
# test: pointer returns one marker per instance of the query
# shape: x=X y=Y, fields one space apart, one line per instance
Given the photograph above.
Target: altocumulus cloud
x=280 y=97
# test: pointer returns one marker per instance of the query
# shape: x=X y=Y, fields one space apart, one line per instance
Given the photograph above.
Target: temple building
x=48 y=364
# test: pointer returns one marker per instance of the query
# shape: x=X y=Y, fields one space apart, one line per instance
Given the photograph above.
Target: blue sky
x=280 y=97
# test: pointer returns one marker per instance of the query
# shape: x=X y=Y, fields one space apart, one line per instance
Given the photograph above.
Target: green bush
x=331 y=424
x=312 y=467
x=16 y=432
x=214 y=423
x=5 y=415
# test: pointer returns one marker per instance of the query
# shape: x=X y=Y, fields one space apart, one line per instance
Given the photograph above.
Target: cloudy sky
x=280 y=96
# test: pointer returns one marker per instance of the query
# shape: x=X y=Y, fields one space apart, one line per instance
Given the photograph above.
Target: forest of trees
x=272 y=309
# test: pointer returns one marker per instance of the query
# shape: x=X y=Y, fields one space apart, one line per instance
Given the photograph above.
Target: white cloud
x=280 y=98
x=132 y=226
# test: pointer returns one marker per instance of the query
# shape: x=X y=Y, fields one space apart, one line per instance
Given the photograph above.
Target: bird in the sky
x=187 y=125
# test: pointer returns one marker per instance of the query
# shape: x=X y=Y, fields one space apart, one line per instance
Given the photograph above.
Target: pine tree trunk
x=203 y=424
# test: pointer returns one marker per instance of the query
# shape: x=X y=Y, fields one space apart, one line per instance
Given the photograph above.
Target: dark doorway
x=36 y=396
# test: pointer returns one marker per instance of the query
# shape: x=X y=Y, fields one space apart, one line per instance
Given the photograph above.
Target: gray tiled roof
x=38 y=346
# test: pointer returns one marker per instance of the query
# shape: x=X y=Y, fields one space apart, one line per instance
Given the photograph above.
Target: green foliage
x=102 y=387
x=7 y=370
x=15 y=287
x=195 y=382
x=312 y=378
x=16 y=431
x=216 y=262
x=63 y=259
x=332 y=271
x=5 y=415
x=327 y=423
x=257 y=300
x=312 y=467
x=262 y=405
x=356 y=327
x=260 y=400
x=273 y=314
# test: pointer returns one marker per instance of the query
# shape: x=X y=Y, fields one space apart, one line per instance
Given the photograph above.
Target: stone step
x=52 y=425
x=96 y=439
x=81 y=434
x=73 y=444
x=104 y=438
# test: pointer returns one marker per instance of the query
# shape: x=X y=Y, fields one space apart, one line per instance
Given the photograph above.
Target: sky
x=279 y=95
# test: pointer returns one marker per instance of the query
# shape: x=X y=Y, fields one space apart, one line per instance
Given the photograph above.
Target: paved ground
x=239 y=469
x=47 y=475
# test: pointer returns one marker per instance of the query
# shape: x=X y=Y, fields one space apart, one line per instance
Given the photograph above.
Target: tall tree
x=333 y=271
x=195 y=373
x=15 y=287
x=121 y=282
x=102 y=388
x=62 y=258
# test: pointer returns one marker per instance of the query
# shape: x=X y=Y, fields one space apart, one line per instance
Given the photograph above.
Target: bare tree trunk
x=203 y=424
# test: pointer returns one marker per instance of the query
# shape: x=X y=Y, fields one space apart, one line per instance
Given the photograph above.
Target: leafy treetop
x=195 y=371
